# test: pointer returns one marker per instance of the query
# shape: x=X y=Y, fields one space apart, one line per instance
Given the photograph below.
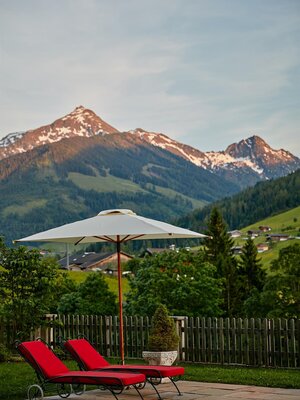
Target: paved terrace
x=196 y=390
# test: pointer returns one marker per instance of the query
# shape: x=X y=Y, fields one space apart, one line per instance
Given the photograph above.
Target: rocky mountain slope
x=243 y=163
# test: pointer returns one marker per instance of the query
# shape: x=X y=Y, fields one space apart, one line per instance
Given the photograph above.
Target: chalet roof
x=283 y=235
x=153 y=250
x=237 y=249
x=86 y=259
x=235 y=233
x=79 y=259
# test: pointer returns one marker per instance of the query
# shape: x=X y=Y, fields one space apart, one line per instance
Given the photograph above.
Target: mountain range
x=243 y=163
x=80 y=164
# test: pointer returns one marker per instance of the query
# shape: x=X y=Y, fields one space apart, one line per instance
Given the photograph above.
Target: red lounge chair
x=89 y=359
x=50 y=369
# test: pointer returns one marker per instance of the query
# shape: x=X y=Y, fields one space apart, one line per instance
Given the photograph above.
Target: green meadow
x=287 y=223
x=112 y=281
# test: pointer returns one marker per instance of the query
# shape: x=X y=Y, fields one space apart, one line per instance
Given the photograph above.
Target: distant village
x=262 y=230
x=106 y=262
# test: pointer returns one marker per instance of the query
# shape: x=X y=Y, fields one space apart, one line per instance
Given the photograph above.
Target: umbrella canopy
x=112 y=226
x=115 y=226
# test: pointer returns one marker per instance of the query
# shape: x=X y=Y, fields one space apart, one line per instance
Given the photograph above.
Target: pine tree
x=219 y=252
x=250 y=268
x=219 y=243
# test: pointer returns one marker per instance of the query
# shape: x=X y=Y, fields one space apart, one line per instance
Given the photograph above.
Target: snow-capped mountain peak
x=252 y=155
x=258 y=151
x=80 y=122
x=160 y=140
x=10 y=139
x=209 y=160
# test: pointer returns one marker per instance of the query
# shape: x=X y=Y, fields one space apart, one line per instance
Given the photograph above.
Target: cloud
x=204 y=72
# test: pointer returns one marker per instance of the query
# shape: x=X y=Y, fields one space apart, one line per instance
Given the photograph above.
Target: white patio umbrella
x=114 y=226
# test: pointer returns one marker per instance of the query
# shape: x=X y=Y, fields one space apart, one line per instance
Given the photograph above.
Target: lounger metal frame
x=153 y=380
x=64 y=389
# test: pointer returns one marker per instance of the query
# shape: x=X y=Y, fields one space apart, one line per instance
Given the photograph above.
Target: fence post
x=180 y=329
x=221 y=340
x=46 y=332
x=293 y=344
x=298 y=340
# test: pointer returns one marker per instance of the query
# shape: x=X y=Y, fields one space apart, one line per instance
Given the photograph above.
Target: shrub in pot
x=163 y=339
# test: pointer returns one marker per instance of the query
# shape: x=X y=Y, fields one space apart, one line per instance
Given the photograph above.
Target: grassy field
x=243 y=375
x=111 y=183
x=172 y=193
x=24 y=208
x=15 y=377
x=268 y=256
x=112 y=281
x=286 y=223
x=102 y=184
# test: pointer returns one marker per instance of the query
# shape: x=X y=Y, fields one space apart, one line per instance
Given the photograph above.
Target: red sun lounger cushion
x=84 y=352
x=38 y=354
x=88 y=356
x=43 y=359
x=108 y=378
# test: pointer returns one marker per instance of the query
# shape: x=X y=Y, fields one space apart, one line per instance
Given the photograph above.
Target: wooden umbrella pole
x=120 y=301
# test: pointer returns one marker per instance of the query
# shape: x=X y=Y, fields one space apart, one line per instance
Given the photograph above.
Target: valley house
x=278 y=237
x=104 y=262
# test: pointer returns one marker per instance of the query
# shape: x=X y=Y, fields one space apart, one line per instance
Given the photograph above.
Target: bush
x=5 y=354
x=163 y=335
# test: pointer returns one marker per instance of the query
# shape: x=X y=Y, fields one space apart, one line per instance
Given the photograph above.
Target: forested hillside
x=76 y=178
x=251 y=205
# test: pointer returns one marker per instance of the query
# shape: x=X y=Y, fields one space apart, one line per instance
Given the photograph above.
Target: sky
x=207 y=73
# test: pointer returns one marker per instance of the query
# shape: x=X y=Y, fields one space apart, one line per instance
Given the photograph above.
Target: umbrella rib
x=125 y=239
x=131 y=237
x=78 y=241
x=105 y=238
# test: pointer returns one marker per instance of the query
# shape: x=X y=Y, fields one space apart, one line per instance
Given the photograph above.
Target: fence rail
x=226 y=341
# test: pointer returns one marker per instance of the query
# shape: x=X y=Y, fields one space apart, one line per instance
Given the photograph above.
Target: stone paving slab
x=196 y=391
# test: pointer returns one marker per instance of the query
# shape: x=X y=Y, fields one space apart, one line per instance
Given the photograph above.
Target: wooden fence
x=255 y=342
x=234 y=341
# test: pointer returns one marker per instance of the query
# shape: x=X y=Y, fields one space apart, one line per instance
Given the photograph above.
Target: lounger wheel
x=140 y=385
x=64 y=390
x=35 y=392
x=78 y=388
x=155 y=380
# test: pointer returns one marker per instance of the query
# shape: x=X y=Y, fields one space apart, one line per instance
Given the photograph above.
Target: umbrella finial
x=117 y=211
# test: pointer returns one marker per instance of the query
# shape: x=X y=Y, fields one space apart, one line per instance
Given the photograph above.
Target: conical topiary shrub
x=163 y=335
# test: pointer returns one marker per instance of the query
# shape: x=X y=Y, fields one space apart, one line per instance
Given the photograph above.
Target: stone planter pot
x=160 y=357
